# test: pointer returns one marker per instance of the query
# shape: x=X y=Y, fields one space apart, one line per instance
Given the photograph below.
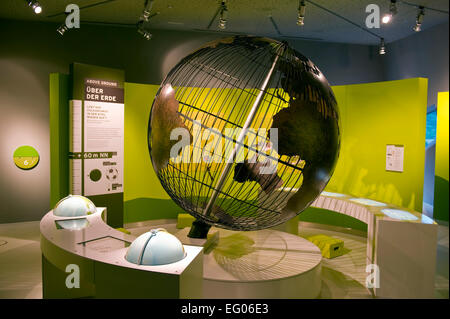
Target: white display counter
x=98 y=251
x=401 y=242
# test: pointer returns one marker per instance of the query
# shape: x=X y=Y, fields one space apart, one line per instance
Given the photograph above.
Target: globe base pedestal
x=199 y=229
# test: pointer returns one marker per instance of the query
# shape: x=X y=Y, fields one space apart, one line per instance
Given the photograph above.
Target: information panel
x=96 y=146
x=97 y=140
x=394 y=158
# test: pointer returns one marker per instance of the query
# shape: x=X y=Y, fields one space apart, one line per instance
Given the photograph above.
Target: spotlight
x=62 y=29
x=382 y=47
x=145 y=34
x=392 y=12
x=386 y=18
x=301 y=13
x=147 y=10
x=223 y=16
x=38 y=9
x=419 y=19
x=35 y=6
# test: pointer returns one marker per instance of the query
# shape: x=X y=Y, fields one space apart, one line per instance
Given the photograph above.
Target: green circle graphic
x=26 y=157
x=95 y=175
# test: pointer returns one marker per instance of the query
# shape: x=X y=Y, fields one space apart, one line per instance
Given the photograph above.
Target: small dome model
x=73 y=224
x=74 y=206
x=156 y=247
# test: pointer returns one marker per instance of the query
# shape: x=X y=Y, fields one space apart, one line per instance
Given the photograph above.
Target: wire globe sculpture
x=244 y=134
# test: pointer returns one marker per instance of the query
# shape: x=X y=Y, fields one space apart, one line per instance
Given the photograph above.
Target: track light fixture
x=223 y=15
x=393 y=7
x=301 y=13
x=392 y=11
x=419 y=19
x=145 y=34
x=141 y=30
x=145 y=16
x=62 y=29
x=35 y=6
x=382 y=47
x=147 y=10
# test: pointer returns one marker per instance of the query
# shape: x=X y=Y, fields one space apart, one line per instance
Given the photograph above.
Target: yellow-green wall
x=441 y=182
x=144 y=197
x=372 y=115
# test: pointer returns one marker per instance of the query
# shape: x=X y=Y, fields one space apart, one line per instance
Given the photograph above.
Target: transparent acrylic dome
x=156 y=247
x=74 y=206
x=73 y=224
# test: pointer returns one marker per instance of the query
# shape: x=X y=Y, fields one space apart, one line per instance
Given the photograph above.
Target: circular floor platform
x=261 y=264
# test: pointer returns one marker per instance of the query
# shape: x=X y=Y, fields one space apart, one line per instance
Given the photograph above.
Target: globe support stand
x=199 y=229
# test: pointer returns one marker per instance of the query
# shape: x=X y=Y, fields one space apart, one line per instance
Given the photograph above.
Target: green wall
x=62 y=89
x=372 y=115
x=144 y=197
x=59 y=136
x=441 y=189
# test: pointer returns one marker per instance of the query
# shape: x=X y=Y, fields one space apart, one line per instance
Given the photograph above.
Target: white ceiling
x=244 y=16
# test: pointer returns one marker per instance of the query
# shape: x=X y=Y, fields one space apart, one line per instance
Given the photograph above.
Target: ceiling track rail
x=96 y=4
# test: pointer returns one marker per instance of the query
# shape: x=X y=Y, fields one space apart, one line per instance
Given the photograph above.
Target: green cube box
x=184 y=220
x=329 y=246
x=123 y=230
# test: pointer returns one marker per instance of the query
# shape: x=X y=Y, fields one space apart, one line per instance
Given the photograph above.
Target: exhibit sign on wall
x=96 y=146
x=26 y=157
x=394 y=158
